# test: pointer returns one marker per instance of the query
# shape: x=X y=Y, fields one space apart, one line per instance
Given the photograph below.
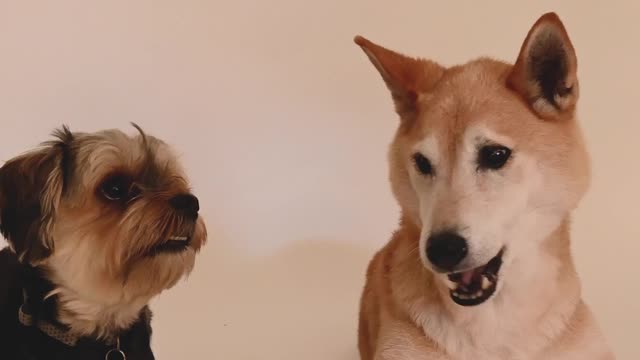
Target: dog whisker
x=408 y=256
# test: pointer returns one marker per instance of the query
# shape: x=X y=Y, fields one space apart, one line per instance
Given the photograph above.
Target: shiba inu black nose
x=446 y=249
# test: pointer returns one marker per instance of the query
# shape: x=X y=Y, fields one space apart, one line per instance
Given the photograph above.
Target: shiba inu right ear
x=405 y=77
x=545 y=72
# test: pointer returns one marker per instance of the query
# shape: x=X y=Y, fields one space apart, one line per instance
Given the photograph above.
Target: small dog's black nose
x=185 y=202
x=446 y=249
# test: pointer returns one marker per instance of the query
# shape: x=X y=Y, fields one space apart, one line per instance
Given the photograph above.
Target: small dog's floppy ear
x=405 y=77
x=545 y=74
x=31 y=186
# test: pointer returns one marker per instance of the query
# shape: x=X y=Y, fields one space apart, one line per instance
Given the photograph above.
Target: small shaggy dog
x=97 y=225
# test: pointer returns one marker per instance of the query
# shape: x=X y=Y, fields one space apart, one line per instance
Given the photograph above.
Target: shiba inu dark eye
x=493 y=157
x=422 y=164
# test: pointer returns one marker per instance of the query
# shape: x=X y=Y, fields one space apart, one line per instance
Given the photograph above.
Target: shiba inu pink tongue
x=468 y=277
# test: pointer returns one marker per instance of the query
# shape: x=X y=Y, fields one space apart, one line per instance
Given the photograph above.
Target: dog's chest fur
x=18 y=342
x=488 y=334
x=558 y=336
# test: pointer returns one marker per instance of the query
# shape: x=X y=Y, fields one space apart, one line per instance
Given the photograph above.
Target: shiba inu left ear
x=545 y=73
x=405 y=77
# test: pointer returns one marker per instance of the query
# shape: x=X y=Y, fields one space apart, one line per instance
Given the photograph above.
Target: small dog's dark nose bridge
x=185 y=202
x=446 y=249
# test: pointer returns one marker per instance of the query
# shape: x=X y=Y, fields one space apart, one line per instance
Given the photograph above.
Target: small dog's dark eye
x=116 y=188
x=493 y=157
x=422 y=164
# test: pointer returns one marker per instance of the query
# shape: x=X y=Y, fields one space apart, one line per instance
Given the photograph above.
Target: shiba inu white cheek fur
x=472 y=209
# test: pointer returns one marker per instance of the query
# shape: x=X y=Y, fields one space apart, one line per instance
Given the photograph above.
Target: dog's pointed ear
x=545 y=74
x=31 y=186
x=405 y=77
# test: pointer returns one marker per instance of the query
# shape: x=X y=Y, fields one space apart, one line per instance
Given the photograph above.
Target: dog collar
x=51 y=330
x=62 y=335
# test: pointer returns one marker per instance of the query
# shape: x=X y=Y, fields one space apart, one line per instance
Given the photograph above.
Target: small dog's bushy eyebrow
x=63 y=140
x=151 y=172
x=145 y=143
x=63 y=135
x=142 y=133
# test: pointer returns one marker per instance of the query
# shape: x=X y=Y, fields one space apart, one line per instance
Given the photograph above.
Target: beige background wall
x=283 y=125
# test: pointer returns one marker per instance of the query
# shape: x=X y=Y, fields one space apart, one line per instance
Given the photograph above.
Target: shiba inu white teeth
x=451 y=284
x=485 y=282
x=477 y=295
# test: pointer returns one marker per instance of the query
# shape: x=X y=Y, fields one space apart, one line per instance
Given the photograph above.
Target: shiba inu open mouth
x=475 y=286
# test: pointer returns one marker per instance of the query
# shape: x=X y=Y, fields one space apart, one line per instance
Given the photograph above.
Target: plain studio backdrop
x=283 y=126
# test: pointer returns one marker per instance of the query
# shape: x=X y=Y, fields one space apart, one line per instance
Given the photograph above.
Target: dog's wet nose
x=446 y=249
x=185 y=202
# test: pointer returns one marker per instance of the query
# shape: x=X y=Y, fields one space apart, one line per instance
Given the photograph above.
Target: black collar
x=38 y=312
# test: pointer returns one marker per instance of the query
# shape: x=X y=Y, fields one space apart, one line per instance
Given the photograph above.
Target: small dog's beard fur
x=101 y=252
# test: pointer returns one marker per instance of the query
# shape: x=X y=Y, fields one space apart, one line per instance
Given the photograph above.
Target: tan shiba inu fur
x=492 y=154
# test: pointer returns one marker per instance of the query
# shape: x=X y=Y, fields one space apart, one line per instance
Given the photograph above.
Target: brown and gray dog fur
x=88 y=217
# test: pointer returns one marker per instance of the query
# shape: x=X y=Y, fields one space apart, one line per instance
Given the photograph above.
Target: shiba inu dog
x=487 y=164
